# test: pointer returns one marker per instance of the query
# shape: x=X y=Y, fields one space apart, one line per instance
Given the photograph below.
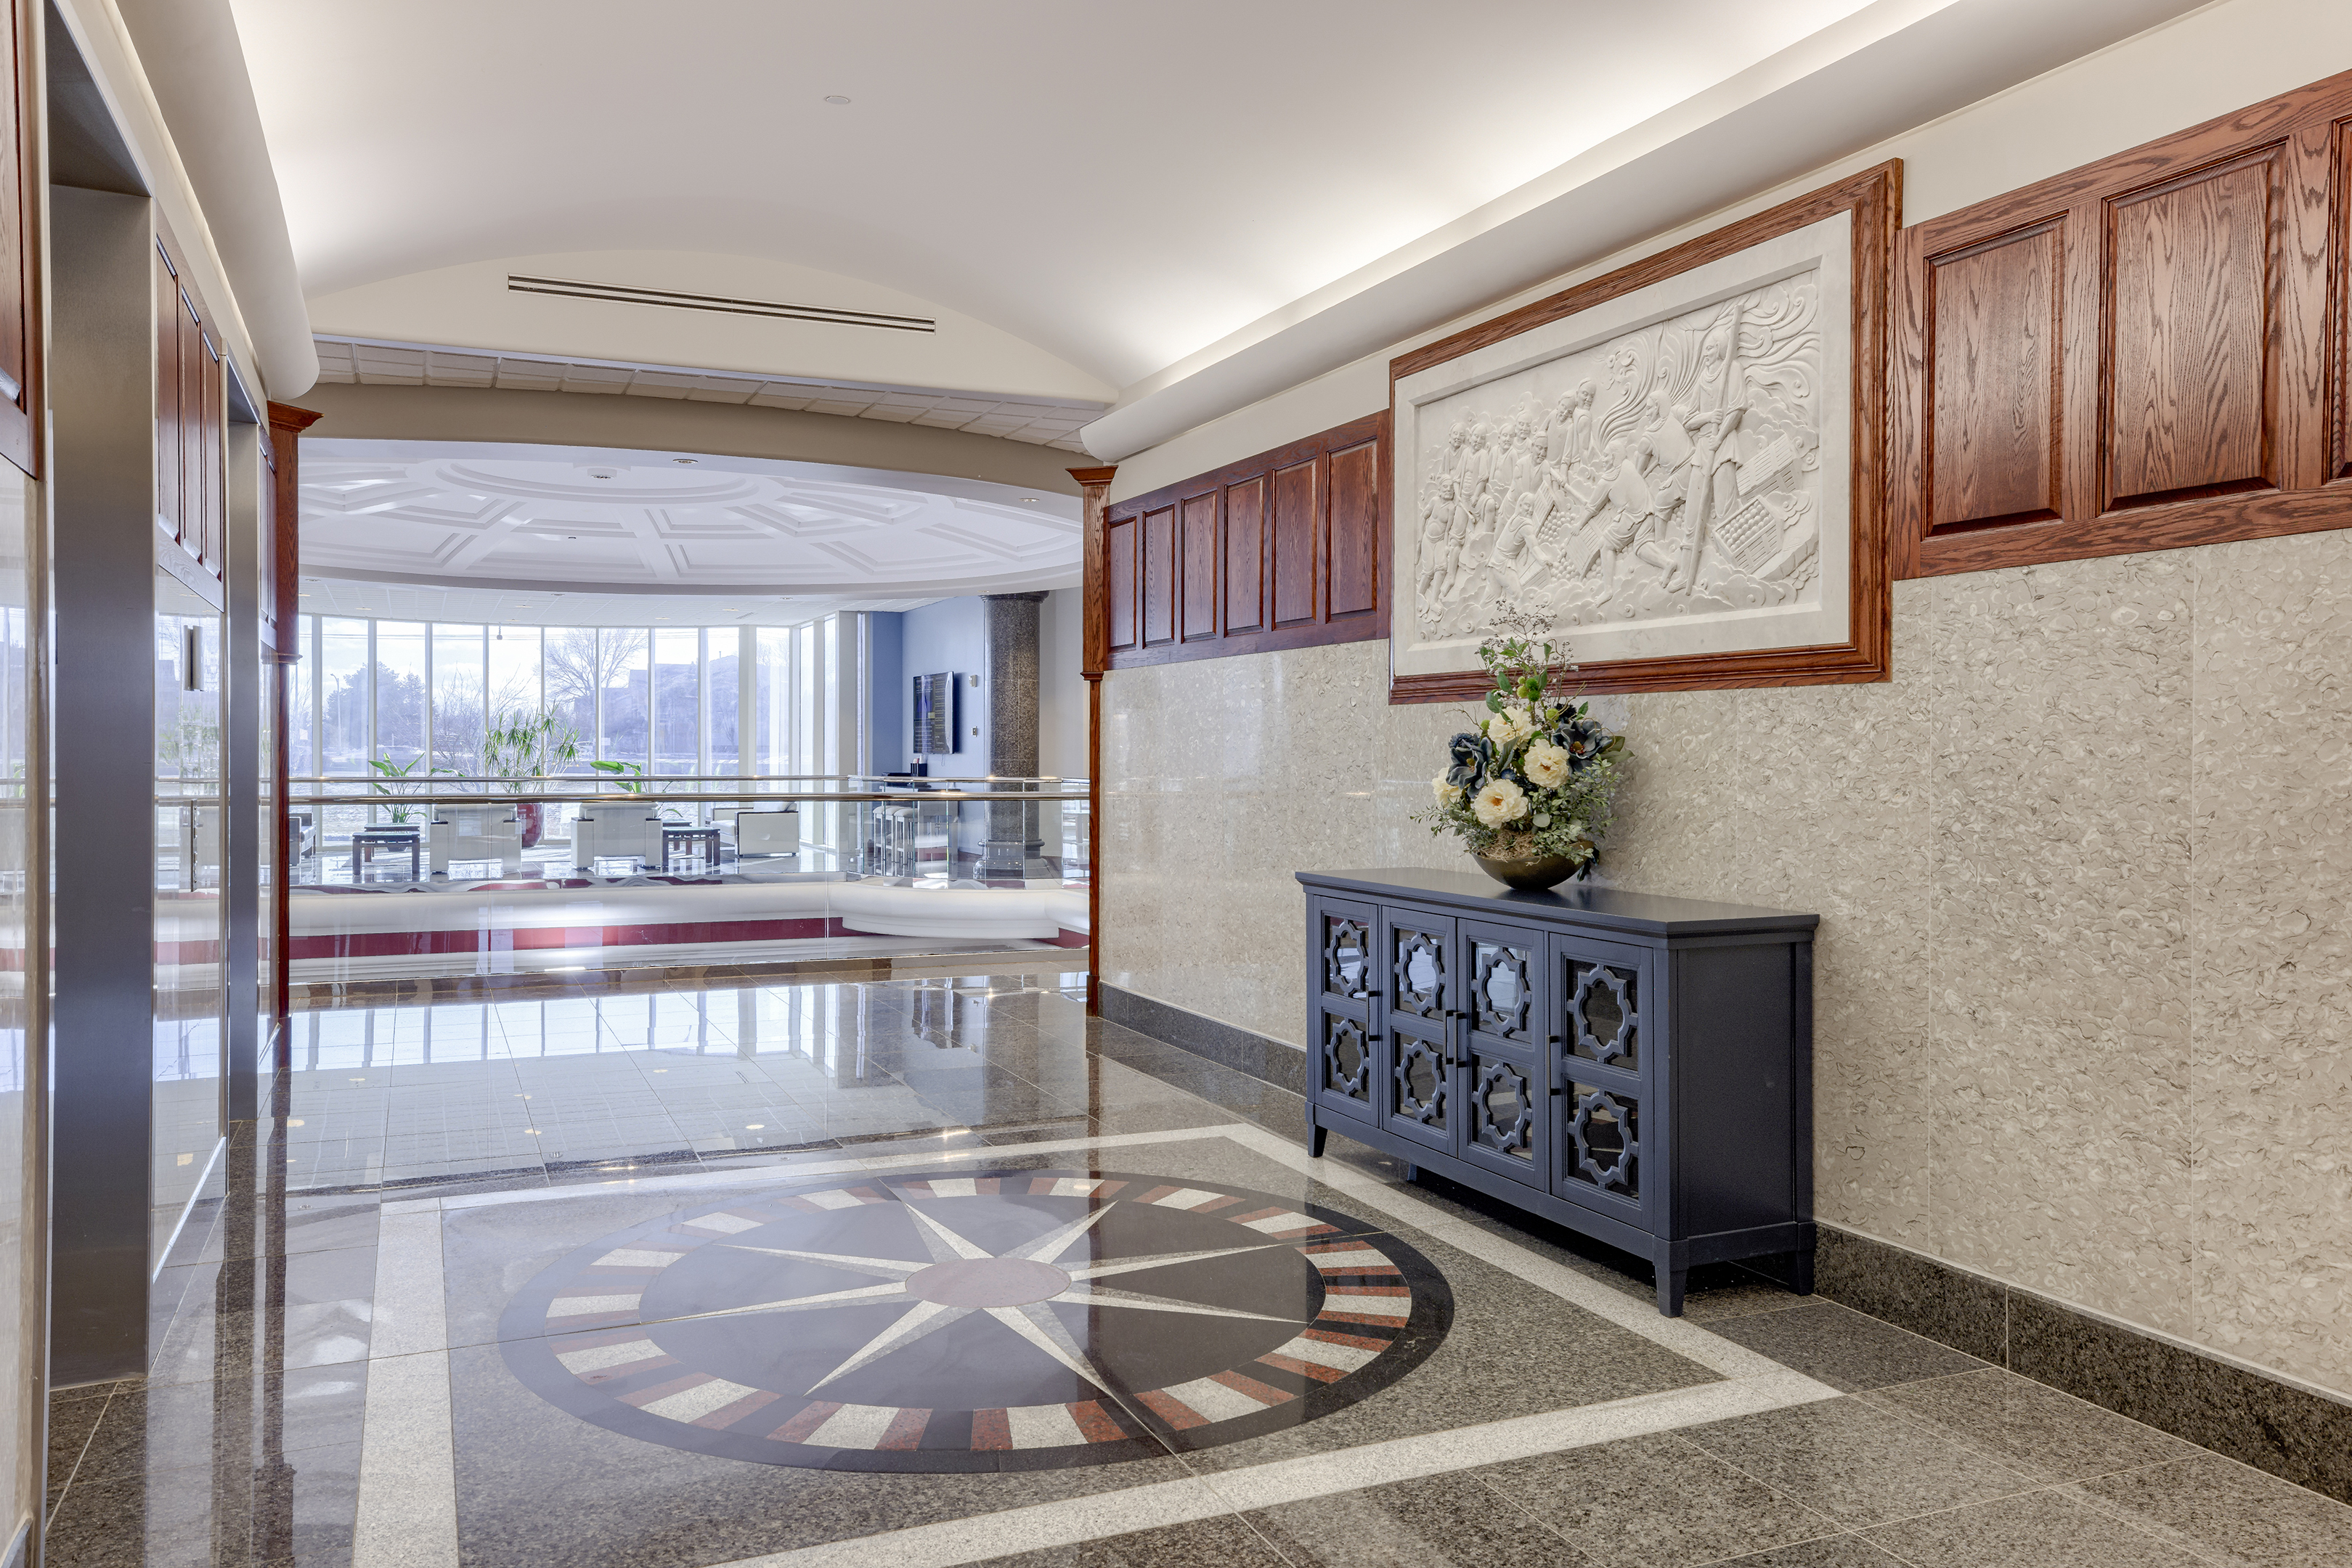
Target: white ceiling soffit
x=195 y=66
x=1885 y=70
x=1039 y=422
x=954 y=154
x=539 y=519
x=506 y=607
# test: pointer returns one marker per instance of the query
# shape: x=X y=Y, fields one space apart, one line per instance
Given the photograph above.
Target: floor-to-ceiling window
x=457 y=698
x=678 y=721
x=677 y=701
x=400 y=683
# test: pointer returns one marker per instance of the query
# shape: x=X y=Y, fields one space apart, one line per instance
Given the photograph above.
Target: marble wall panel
x=2060 y=758
x=2082 y=866
x=2270 y=1024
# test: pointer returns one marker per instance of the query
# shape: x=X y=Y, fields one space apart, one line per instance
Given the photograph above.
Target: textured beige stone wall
x=2085 y=873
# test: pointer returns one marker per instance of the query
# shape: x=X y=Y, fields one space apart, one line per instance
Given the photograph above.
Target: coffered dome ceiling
x=521 y=517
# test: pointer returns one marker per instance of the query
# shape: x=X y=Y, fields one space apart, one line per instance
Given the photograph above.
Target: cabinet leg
x=1670 y=1289
x=1412 y=1174
x=1800 y=1272
x=1316 y=1133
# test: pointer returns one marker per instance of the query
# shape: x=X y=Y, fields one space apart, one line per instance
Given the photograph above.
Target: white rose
x=1499 y=802
x=1546 y=765
x=1511 y=726
x=1447 y=793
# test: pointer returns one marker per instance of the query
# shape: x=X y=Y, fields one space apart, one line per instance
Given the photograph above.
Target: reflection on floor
x=1019 y=1288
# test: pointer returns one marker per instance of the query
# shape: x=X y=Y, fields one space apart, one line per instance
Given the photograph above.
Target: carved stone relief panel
x=1664 y=473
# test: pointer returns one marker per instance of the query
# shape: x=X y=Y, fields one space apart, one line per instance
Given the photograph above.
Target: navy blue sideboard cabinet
x=1635 y=1067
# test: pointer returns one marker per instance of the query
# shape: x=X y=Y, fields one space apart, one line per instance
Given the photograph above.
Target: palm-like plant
x=519 y=746
x=390 y=769
x=630 y=776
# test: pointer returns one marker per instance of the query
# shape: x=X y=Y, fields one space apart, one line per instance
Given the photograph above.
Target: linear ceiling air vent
x=572 y=289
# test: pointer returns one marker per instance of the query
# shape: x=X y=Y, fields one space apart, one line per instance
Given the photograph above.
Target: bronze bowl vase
x=1531 y=876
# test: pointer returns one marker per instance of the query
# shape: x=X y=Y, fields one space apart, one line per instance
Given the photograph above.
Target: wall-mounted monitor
x=936 y=730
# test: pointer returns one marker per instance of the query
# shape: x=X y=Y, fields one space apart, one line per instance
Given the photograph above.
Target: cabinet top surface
x=1615 y=908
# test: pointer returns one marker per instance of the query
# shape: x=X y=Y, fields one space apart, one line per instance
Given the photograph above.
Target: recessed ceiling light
x=572 y=536
x=834 y=98
x=686 y=462
x=1028 y=500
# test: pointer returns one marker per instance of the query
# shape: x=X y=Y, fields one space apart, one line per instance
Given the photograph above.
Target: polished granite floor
x=1018 y=1288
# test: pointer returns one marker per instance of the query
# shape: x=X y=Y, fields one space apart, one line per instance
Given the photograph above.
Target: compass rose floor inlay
x=953 y=1321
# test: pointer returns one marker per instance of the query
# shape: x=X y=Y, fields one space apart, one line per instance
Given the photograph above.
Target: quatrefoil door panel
x=1342 y=936
x=1600 y=1150
x=1347 y=1065
x=1505 y=967
x=1421 y=983
x=1604 y=1010
x=1605 y=1035
x=1505 y=1123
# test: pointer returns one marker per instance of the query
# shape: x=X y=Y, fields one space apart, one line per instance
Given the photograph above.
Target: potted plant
x=631 y=779
x=390 y=769
x=522 y=747
x=1532 y=787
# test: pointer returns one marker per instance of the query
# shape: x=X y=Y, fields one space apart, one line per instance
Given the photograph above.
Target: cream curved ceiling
x=1117 y=184
x=539 y=520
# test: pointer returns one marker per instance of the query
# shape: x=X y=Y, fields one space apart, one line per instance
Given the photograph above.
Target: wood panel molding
x=20 y=250
x=2143 y=353
x=191 y=415
x=1283 y=550
x=1875 y=198
x=1094 y=484
x=282 y=593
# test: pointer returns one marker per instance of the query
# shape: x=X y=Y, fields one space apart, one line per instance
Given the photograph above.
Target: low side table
x=367 y=842
x=677 y=842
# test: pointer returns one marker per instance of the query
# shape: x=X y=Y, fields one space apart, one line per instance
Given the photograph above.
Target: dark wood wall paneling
x=191 y=415
x=281 y=593
x=20 y=251
x=282 y=498
x=2143 y=353
x=1285 y=549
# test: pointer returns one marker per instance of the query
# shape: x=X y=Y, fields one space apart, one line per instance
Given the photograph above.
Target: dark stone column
x=1014 y=850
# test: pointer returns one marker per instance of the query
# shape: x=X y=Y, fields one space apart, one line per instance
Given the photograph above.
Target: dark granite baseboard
x=1268 y=1061
x=2293 y=1434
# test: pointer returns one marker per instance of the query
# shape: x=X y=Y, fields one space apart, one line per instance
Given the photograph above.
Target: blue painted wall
x=952 y=636
x=887 y=719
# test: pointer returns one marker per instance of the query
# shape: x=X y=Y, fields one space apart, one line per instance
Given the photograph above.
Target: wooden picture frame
x=1753 y=357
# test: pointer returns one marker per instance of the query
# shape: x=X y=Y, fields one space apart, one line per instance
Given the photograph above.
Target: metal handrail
x=894 y=797
x=900 y=780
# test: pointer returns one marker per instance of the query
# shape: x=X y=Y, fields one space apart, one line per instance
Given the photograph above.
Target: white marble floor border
x=407 y=1513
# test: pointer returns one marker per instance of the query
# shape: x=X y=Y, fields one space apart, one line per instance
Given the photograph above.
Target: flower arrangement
x=1536 y=780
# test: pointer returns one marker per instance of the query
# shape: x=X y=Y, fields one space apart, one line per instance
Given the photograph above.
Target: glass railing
x=955 y=832
x=579 y=872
